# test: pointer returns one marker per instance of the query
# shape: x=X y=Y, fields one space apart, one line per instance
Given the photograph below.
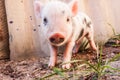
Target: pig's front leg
x=53 y=56
x=67 y=54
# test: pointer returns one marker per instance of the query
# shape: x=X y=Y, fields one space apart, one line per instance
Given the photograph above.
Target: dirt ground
x=36 y=69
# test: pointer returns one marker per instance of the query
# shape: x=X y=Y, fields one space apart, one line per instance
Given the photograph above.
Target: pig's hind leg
x=77 y=45
x=90 y=37
x=78 y=42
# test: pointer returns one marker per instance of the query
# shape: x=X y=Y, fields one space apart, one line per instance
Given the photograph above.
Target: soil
x=36 y=69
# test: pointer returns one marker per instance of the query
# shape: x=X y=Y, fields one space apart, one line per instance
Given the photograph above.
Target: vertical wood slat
x=4 y=41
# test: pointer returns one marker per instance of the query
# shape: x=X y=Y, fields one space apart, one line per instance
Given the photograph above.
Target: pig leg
x=77 y=45
x=53 y=56
x=78 y=42
x=90 y=38
x=67 y=55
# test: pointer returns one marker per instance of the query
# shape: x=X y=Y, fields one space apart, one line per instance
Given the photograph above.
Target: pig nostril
x=61 y=40
x=52 y=39
x=56 y=40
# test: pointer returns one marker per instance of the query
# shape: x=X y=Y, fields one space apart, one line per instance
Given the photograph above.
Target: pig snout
x=56 y=38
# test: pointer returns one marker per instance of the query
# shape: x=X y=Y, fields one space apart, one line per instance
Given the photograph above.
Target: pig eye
x=45 y=21
x=68 y=19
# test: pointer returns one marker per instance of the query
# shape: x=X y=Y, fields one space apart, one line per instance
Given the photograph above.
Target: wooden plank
x=4 y=47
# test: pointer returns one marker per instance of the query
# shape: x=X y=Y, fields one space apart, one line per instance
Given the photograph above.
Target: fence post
x=4 y=47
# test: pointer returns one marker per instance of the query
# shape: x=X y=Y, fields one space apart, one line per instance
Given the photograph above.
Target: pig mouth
x=60 y=44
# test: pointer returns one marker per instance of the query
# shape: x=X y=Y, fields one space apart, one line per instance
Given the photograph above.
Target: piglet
x=61 y=24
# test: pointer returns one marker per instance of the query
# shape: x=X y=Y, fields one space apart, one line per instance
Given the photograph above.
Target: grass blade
x=58 y=71
x=114 y=58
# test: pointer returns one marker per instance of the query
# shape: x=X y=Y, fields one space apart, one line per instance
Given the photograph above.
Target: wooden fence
x=25 y=38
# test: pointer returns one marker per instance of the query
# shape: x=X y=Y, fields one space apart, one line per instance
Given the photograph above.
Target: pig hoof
x=75 y=50
x=66 y=66
x=51 y=65
x=95 y=49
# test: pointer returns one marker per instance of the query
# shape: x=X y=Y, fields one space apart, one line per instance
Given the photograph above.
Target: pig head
x=60 y=26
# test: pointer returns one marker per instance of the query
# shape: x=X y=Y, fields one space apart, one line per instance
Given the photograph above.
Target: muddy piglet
x=63 y=24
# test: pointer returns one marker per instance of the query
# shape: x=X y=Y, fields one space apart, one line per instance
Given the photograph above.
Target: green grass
x=99 y=68
x=83 y=45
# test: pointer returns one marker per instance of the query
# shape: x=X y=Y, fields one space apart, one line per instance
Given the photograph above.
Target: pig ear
x=38 y=8
x=74 y=7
